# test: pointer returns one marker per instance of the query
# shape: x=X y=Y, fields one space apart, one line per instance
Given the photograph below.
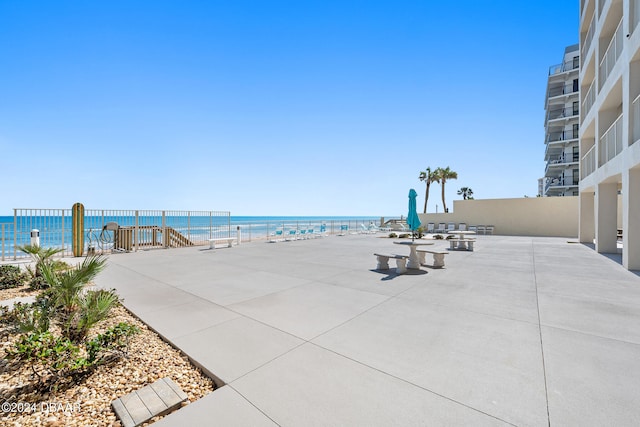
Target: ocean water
x=55 y=230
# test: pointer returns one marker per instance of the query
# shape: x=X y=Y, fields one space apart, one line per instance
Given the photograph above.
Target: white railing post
x=136 y=230
x=165 y=236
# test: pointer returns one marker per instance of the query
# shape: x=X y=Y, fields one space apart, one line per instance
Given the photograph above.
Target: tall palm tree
x=428 y=177
x=466 y=193
x=444 y=175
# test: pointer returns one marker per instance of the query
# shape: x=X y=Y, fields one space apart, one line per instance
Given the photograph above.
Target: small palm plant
x=78 y=309
x=41 y=256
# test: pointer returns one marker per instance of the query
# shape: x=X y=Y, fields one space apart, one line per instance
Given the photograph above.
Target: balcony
x=562 y=113
x=589 y=38
x=611 y=55
x=562 y=90
x=559 y=162
x=567 y=135
x=589 y=100
x=565 y=66
x=611 y=141
x=588 y=163
x=560 y=183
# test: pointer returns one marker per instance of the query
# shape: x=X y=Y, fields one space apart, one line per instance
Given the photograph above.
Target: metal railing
x=565 y=66
x=589 y=37
x=588 y=163
x=108 y=231
x=589 y=99
x=611 y=141
x=611 y=55
x=635 y=117
x=635 y=18
x=562 y=90
x=112 y=230
x=562 y=113
x=565 y=135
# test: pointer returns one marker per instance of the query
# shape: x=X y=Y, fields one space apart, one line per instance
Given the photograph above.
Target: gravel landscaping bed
x=89 y=401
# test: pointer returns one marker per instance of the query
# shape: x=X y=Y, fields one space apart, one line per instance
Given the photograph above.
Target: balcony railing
x=589 y=99
x=611 y=142
x=565 y=66
x=566 y=135
x=562 y=113
x=559 y=162
x=562 y=90
x=588 y=163
x=611 y=55
x=635 y=116
x=589 y=37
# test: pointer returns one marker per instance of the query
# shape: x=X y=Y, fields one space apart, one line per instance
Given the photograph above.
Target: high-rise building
x=610 y=126
x=562 y=102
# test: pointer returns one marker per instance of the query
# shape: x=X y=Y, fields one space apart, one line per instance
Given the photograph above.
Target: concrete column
x=587 y=224
x=631 y=219
x=606 y=217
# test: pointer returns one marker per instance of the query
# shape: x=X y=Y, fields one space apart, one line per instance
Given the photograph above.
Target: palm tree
x=466 y=193
x=444 y=175
x=428 y=177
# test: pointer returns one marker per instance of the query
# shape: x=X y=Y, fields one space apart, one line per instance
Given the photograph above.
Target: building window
x=575 y=130
x=576 y=154
x=575 y=108
x=575 y=85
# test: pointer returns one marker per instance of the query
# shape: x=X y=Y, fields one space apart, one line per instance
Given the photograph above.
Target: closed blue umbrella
x=412 y=219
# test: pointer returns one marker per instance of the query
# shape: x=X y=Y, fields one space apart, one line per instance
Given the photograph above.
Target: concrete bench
x=438 y=257
x=462 y=244
x=401 y=262
x=227 y=240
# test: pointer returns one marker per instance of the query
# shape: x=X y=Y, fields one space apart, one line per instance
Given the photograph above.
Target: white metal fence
x=612 y=54
x=131 y=230
x=611 y=142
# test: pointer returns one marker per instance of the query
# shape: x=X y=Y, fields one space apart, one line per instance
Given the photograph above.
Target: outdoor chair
x=489 y=229
x=481 y=229
x=462 y=226
x=431 y=227
x=441 y=228
x=451 y=226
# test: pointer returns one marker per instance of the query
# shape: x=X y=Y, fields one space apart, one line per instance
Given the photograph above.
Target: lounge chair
x=292 y=235
x=323 y=230
x=277 y=236
x=481 y=229
x=431 y=228
x=451 y=227
x=473 y=228
x=441 y=228
x=489 y=229
x=462 y=226
x=343 y=230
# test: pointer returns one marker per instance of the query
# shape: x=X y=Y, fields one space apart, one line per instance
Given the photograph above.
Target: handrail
x=611 y=141
x=611 y=55
x=589 y=100
x=562 y=113
x=564 y=67
x=588 y=38
x=588 y=163
x=635 y=117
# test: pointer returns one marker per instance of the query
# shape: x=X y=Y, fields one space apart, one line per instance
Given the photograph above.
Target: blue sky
x=273 y=107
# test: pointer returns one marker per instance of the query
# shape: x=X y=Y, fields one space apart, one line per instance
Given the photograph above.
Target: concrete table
x=461 y=233
x=414 y=261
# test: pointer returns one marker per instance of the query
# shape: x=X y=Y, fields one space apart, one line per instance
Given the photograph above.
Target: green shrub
x=404 y=236
x=393 y=235
x=451 y=236
x=438 y=237
x=57 y=359
x=11 y=277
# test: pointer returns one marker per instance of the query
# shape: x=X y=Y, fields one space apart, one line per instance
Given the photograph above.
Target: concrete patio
x=523 y=331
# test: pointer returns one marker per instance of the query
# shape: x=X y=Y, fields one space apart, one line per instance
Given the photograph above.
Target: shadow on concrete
x=391 y=273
